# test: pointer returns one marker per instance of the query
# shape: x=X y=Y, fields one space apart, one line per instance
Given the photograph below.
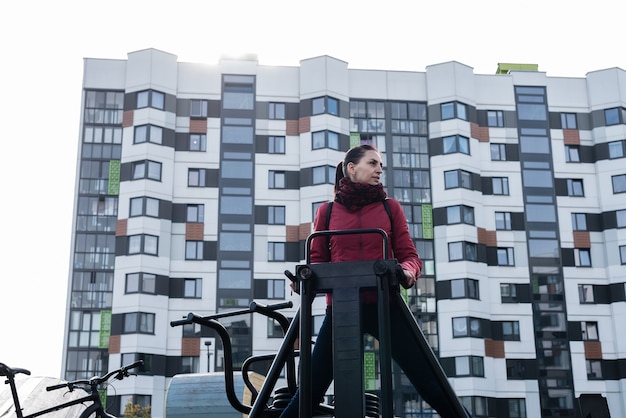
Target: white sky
x=44 y=43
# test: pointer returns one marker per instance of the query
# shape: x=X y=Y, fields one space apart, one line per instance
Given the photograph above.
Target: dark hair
x=353 y=155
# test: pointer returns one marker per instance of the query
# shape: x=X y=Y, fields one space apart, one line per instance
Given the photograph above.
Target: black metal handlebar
x=267 y=310
x=118 y=374
x=379 y=231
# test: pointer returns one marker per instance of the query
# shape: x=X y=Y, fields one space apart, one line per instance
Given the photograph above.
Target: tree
x=136 y=411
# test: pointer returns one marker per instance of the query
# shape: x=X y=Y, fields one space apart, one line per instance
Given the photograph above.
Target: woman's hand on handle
x=409 y=279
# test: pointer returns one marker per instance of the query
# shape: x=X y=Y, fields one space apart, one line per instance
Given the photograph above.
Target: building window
x=611 y=116
x=103 y=107
x=236 y=205
x=462 y=250
x=274 y=330
x=190 y=331
x=589 y=331
x=621 y=218
x=84 y=328
x=325 y=139
x=146 y=170
x=275 y=251
x=575 y=188
x=148 y=133
x=616 y=149
x=469 y=366
x=276 y=215
x=193 y=289
x=234 y=279
x=500 y=185
x=452 y=110
x=237 y=131
x=235 y=166
x=317 y=321
x=151 y=98
x=585 y=293
x=138 y=323
x=572 y=153
x=143 y=244
x=140 y=283
x=464 y=289
x=407 y=118
x=367 y=116
x=275 y=289
x=466 y=327
x=277 y=111
x=515 y=369
x=96 y=213
x=498 y=152
x=458 y=178
x=503 y=221
x=198 y=108
x=315 y=207
x=195 y=213
x=189 y=364
x=99 y=134
x=508 y=292
x=323 y=174
x=410 y=187
x=594 y=369
x=460 y=214
x=622 y=254
x=579 y=222
x=517 y=408
x=194 y=250
x=568 y=121
x=238 y=92
x=506 y=257
x=477 y=406
x=196 y=177
x=144 y=206
x=619 y=183
x=146 y=368
x=456 y=143
x=582 y=257
x=276 y=179
x=325 y=104
x=276 y=144
x=197 y=142
x=495 y=118
x=510 y=330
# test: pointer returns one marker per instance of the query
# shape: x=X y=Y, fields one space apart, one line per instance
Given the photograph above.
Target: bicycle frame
x=95 y=406
x=93 y=395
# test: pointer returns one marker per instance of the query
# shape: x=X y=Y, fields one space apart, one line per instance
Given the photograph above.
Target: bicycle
x=90 y=386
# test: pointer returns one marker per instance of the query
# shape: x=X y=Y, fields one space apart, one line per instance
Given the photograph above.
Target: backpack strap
x=386 y=204
x=330 y=207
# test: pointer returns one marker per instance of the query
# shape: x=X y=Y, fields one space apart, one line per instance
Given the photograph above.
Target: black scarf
x=356 y=195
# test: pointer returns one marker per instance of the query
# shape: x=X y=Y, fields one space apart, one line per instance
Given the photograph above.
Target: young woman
x=358 y=204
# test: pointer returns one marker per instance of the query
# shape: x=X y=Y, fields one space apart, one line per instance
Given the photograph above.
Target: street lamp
x=208 y=351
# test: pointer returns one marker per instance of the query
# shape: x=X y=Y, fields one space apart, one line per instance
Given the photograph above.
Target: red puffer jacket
x=357 y=247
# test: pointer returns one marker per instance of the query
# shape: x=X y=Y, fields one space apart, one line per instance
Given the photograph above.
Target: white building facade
x=197 y=185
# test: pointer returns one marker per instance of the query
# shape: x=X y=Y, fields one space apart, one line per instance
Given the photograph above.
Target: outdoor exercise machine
x=344 y=281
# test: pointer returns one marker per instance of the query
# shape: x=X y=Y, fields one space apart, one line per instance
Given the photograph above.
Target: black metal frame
x=344 y=281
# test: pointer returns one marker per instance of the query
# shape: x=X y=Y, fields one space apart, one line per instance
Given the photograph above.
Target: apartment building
x=197 y=185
